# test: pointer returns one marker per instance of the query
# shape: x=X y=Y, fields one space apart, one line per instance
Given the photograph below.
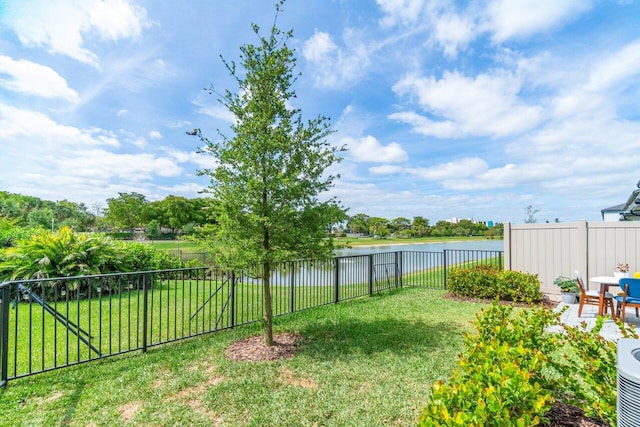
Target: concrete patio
x=609 y=330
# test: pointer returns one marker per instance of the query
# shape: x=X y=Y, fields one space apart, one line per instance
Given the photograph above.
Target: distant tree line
x=176 y=215
x=32 y=212
x=417 y=227
x=127 y=212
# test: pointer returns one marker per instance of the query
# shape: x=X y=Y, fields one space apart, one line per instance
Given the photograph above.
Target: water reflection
x=481 y=245
x=382 y=263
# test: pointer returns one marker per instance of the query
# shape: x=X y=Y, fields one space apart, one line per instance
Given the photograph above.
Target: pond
x=475 y=245
x=354 y=265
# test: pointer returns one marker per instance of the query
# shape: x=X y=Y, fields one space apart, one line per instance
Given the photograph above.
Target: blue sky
x=449 y=109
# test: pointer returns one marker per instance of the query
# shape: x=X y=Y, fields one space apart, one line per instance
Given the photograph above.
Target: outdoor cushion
x=596 y=294
x=630 y=300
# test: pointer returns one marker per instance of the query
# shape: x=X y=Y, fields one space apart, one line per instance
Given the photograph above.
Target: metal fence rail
x=47 y=324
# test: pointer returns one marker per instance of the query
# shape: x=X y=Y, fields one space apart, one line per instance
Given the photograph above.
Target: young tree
x=273 y=170
x=531 y=215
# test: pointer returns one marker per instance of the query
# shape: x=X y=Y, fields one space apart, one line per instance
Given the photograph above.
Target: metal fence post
x=145 y=308
x=399 y=264
x=336 y=280
x=444 y=268
x=233 y=299
x=397 y=269
x=292 y=290
x=370 y=274
x=4 y=335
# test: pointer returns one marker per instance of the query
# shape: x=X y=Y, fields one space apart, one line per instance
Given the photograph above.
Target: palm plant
x=60 y=254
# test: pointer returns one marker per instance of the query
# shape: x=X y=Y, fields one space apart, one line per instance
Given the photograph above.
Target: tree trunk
x=268 y=313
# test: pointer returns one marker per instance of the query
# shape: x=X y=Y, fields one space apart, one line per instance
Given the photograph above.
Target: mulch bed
x=546 y=302
x=254 y=349
x=562 y=415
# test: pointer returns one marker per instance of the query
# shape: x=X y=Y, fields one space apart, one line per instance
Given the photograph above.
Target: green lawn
x=170 y=245
x=366 y=362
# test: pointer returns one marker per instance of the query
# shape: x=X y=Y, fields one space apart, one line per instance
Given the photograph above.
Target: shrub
x=63 y=253
x=478 y=282
x=11 y=232
x=518 y=287
x=488 y=282
x=66 y=253
x=515 y=367
x=141 y=257
x=152 y=230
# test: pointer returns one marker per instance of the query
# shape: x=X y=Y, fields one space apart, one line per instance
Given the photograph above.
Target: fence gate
x=386 y=270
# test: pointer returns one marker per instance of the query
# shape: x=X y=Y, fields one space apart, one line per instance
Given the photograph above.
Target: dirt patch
x=253 y=349
x=287 y=377
x=162 y=377
x=196 y=390
x=129 y=410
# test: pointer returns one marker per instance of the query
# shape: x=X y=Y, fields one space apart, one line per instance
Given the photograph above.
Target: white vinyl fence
x=552 y=250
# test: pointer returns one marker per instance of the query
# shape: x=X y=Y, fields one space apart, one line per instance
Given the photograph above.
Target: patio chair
x=630 y=297
x=592 y=297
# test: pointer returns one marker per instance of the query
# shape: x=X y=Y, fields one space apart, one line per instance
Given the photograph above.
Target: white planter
x=568 y=297
x=618 y=275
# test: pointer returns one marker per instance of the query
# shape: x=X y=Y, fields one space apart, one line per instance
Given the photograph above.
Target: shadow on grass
x=331 y=339
x=73 y=401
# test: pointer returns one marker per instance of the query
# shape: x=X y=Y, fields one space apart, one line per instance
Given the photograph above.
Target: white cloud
x=404 y=12
x=334 y=67
x=154 y=134
x=18 y=123
x=618 y=69
x=216 y=111
x=56 y=161
x=369 y=149
x=453 y=33
x=425 y=126
x=122 y=113
x=108 y=166
x=176 y=124
x=133 y=139
x=509 y=19
x=461 y=168
x=63 y=25
x=388 y=170
x=201 y=160
x=34 y=79
x=486 y=105
x=454 y=170
x=599 y=90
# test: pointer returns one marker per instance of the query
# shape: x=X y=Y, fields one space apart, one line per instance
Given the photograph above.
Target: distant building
x=455 y=220
x=629 y=211
x=612 y=213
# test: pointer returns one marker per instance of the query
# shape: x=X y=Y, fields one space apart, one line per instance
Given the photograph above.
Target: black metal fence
x=205 y=258
x=47 y=324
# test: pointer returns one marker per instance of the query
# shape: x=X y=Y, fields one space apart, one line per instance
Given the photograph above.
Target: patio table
x=605 y=282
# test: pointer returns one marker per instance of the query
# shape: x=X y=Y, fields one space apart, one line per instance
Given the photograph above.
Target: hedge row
x=488 y=282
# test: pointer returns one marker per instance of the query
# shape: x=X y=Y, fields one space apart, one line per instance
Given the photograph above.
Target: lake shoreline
x=430 y=246
x=397 y=243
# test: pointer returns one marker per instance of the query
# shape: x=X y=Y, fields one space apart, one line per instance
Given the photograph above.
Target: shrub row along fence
x=47 y=324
